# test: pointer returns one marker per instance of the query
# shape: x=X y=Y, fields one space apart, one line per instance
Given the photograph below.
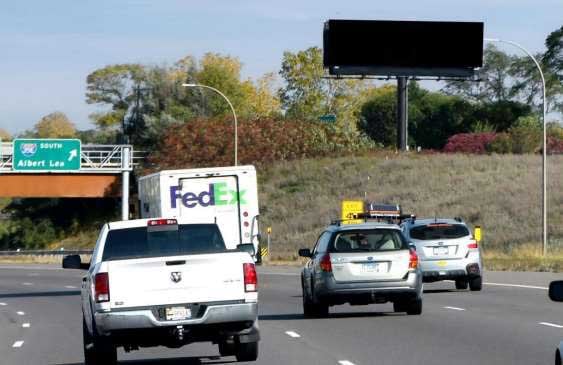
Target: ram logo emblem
x=176 y=276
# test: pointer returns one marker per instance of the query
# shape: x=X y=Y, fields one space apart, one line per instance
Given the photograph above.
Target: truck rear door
x=214 y=199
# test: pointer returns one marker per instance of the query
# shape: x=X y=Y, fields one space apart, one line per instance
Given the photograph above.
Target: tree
x=5 y=136
x=495 y=83
x=120 y=87
x=553 y=60
x=54 y=125
x=379 y=114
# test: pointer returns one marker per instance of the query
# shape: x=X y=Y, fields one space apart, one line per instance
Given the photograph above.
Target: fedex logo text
x=218 y=194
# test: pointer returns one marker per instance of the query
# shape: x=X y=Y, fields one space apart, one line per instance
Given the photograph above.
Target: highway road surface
x=510 y=322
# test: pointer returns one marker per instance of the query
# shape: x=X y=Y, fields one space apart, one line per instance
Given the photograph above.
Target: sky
x=49 y=47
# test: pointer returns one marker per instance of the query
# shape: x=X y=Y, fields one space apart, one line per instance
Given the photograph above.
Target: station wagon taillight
x=325 y=263
x=101 y=287
x=250 y=277
x=413 y=259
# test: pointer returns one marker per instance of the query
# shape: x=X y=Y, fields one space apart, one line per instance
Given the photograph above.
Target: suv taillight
x=101 y=287
x=413 y=259
x=250 y=277
x=325 y=263
x=473 y=244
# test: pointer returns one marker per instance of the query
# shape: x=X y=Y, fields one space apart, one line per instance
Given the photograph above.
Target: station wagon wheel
x=476 y=284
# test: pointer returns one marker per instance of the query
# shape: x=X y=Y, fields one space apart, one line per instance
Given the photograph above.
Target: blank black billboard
x=402 y=47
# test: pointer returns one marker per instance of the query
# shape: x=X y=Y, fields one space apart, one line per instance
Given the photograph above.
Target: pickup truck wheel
x=227 y=349
x=461 y=284
x=88 y=345
x=414 y=307
x=247 y=351
x=476 y=284
x=97 y=350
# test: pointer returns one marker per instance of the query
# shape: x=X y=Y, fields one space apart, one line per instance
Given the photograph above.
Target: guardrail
x=45 y=252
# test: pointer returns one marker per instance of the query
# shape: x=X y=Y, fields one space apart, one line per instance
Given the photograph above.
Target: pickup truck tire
x=246 y=351
x=226 y=348
x=97 y=350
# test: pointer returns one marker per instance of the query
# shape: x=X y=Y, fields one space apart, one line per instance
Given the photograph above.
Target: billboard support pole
x=402 y=113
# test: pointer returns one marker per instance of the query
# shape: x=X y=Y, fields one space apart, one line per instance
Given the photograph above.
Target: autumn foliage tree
x=54 y=125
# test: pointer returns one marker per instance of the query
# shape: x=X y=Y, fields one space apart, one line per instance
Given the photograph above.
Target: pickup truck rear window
x=130 y=243
x=439 y=231
x=369 y=241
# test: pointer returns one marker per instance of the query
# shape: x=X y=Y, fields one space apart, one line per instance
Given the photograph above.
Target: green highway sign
x=46 y=155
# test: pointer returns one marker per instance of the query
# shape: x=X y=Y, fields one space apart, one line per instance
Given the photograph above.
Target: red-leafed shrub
x=469 y=142
x=554 y=146
x=209 y=142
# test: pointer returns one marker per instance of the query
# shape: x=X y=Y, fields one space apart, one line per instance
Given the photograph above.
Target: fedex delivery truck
x=227 y=196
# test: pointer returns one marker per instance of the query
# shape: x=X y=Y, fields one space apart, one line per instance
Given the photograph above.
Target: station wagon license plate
x=178 y=313
x=374 y=267
x=442 y=250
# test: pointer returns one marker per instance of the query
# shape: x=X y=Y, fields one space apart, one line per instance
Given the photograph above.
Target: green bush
x=501 y=144
x=525 y=135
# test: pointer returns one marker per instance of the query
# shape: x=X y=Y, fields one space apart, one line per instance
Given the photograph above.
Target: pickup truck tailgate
x=174 y=280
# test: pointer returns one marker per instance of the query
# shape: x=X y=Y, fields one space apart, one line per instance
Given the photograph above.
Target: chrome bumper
x=145 y=318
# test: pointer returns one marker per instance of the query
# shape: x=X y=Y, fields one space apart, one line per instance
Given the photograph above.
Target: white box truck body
x=227 y=196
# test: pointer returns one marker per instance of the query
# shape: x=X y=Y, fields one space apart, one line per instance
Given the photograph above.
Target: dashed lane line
x=455 y=308
x=27 y=284
x=346 y=362
x=70 y=287
x=518 y=286
x=21 y=313
x=18 y=344
x=551 y=324
x=292 y=334
x=2 y=304
x=26 y=325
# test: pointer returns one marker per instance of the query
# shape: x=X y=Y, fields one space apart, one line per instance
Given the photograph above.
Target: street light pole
x=544 y=157
x=232 y=109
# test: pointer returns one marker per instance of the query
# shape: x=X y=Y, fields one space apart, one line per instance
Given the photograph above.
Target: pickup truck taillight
x=250 y=277
x=101 y=287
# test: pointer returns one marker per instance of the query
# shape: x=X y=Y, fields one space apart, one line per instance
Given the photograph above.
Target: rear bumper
x=334 y=292
x=107 y=322
x=434 y=270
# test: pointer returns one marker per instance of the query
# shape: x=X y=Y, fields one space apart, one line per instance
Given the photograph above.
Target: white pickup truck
x=158 y=282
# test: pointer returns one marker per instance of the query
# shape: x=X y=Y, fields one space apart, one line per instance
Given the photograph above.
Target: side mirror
x=305 y=252
x=74 y=262
x=247 y=247
x=556 y=291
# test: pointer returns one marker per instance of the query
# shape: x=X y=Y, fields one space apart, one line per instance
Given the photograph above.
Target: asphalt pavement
x=510 y=322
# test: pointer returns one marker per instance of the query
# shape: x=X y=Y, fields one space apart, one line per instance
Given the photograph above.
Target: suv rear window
x=140 y=242
x=439 y=231
x=369 y=240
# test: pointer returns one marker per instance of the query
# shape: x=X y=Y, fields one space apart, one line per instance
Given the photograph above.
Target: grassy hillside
x=502 y=193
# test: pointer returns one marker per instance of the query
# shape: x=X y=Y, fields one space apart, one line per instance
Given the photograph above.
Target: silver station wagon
x=361 y=264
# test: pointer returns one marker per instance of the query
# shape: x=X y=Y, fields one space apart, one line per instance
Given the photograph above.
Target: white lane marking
x=70 y=287
x=518 y=286
x=26 y=325
x=21 y=313
x=551 y=324
x=17 y=344
x=292 y=334
x=345 y=362
x=2 y=304
x=33 y=274
x=455 y=308
x=27 y=284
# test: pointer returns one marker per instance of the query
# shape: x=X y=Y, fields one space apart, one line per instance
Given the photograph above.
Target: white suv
x=447 y=251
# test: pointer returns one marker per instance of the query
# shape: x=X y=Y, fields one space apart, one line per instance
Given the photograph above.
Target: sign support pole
x=125 y=183
x=402 y=113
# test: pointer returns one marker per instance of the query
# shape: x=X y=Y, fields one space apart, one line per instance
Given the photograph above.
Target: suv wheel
x=399 y=307
x=476 y=283
x=246 y=351
x=414 y=307
x=461 y=284
x=312 y=308
x=226 y=348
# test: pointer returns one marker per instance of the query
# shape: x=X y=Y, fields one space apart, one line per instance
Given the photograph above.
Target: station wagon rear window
x=140 y=242
x=369 y=241
x=437 y=231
